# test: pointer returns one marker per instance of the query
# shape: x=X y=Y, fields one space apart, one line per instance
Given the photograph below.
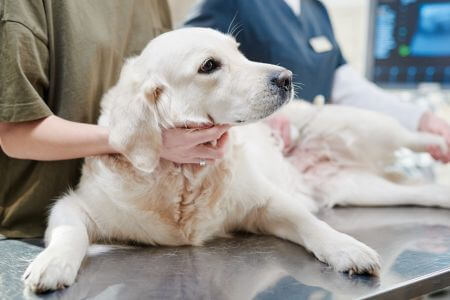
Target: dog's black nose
x=283 y=80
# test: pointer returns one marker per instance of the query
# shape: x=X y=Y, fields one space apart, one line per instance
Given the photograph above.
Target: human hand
x=194 y=145
x=433 y=124
x=281 y=126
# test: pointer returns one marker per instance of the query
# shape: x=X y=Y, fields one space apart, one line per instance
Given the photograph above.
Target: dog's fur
x=339 y=159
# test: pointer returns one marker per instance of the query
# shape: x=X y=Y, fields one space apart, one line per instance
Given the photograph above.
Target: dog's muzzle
x=283 y=81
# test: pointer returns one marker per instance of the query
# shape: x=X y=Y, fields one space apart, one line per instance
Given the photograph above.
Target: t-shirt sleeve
x=215 y=14
x=24 y=80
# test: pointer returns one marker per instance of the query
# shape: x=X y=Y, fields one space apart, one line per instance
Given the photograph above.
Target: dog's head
x=190 y=75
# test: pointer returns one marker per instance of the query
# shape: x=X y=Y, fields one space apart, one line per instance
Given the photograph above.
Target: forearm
x=53 y=138
x=352 y=89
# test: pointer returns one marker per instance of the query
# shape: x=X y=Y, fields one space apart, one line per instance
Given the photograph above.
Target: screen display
x=411 y=42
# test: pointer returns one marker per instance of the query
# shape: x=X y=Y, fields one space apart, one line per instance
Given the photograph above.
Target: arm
x=350 y=88
x=28 y=129
x=53 y=138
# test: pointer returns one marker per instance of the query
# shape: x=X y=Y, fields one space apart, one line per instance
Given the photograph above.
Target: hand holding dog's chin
x=435 y=125
x=187 y=146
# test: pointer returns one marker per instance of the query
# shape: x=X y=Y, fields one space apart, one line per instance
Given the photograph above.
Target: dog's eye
x=209 y=66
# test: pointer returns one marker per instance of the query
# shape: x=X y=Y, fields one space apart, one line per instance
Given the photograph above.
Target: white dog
x=198 y=75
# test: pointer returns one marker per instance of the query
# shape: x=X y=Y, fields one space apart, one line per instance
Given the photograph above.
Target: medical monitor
x=409 y=43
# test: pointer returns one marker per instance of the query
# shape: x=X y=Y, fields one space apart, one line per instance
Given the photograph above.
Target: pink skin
x=433 y=124
x=281 y=126
x=428 y=123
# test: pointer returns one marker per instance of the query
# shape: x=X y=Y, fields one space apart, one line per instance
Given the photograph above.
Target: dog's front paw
x=346 y=254
x=50 y=270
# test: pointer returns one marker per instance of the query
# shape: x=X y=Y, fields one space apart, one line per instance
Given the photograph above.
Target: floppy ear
x=134 y=121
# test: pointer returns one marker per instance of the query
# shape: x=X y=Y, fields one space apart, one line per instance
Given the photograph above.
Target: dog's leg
x=67 y=242
x=285 y=217
x=365 y=189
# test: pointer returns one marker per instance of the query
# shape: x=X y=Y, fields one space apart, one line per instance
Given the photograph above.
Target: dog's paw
x=346 y=254
x=50 y=270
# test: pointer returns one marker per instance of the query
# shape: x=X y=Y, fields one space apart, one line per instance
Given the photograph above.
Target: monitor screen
x=409 y=42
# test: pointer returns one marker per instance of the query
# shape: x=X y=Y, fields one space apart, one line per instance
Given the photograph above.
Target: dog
x=198 y=75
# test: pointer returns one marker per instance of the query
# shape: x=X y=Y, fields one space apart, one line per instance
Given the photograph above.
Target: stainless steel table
x=414 y=244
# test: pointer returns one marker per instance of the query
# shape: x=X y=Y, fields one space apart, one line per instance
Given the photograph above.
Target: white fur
x=339 y=159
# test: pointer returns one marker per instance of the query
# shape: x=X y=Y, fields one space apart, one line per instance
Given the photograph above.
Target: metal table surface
x=414 y=244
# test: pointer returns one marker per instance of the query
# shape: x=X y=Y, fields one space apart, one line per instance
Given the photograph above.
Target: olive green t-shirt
x=59 y=57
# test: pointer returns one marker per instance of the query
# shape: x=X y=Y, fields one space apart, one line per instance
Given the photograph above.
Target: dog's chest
x=187 y=202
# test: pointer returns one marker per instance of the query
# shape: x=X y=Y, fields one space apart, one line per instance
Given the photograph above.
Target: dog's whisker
x=234 y=28
x=237 y=34
x=238 y=28
x=231 y=23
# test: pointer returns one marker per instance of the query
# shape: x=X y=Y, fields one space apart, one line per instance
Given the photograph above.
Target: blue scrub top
x=270 y=32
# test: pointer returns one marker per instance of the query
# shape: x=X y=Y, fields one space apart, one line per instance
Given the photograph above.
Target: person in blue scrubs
x=269 y=31
x=298 y=35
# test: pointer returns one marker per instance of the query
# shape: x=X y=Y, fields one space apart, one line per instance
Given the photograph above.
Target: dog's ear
x=134 y=121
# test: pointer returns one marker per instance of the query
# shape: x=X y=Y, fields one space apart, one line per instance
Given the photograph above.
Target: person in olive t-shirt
x=57 y=58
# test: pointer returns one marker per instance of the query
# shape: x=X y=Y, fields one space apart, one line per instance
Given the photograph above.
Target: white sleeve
x=350 y=88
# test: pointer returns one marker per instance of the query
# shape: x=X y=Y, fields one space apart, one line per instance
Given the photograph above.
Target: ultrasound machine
x=409 y=49
x=408 y=53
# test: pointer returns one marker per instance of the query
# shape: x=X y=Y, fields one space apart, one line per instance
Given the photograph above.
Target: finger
x=207 y=135
x=222 y=141
x=207 y=152
x=443 y=159
x=431 y=150
x=435 y=153
x=195 y=125
x=446 y=159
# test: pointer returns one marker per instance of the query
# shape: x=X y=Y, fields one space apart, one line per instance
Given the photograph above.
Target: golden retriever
x=198 y=75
